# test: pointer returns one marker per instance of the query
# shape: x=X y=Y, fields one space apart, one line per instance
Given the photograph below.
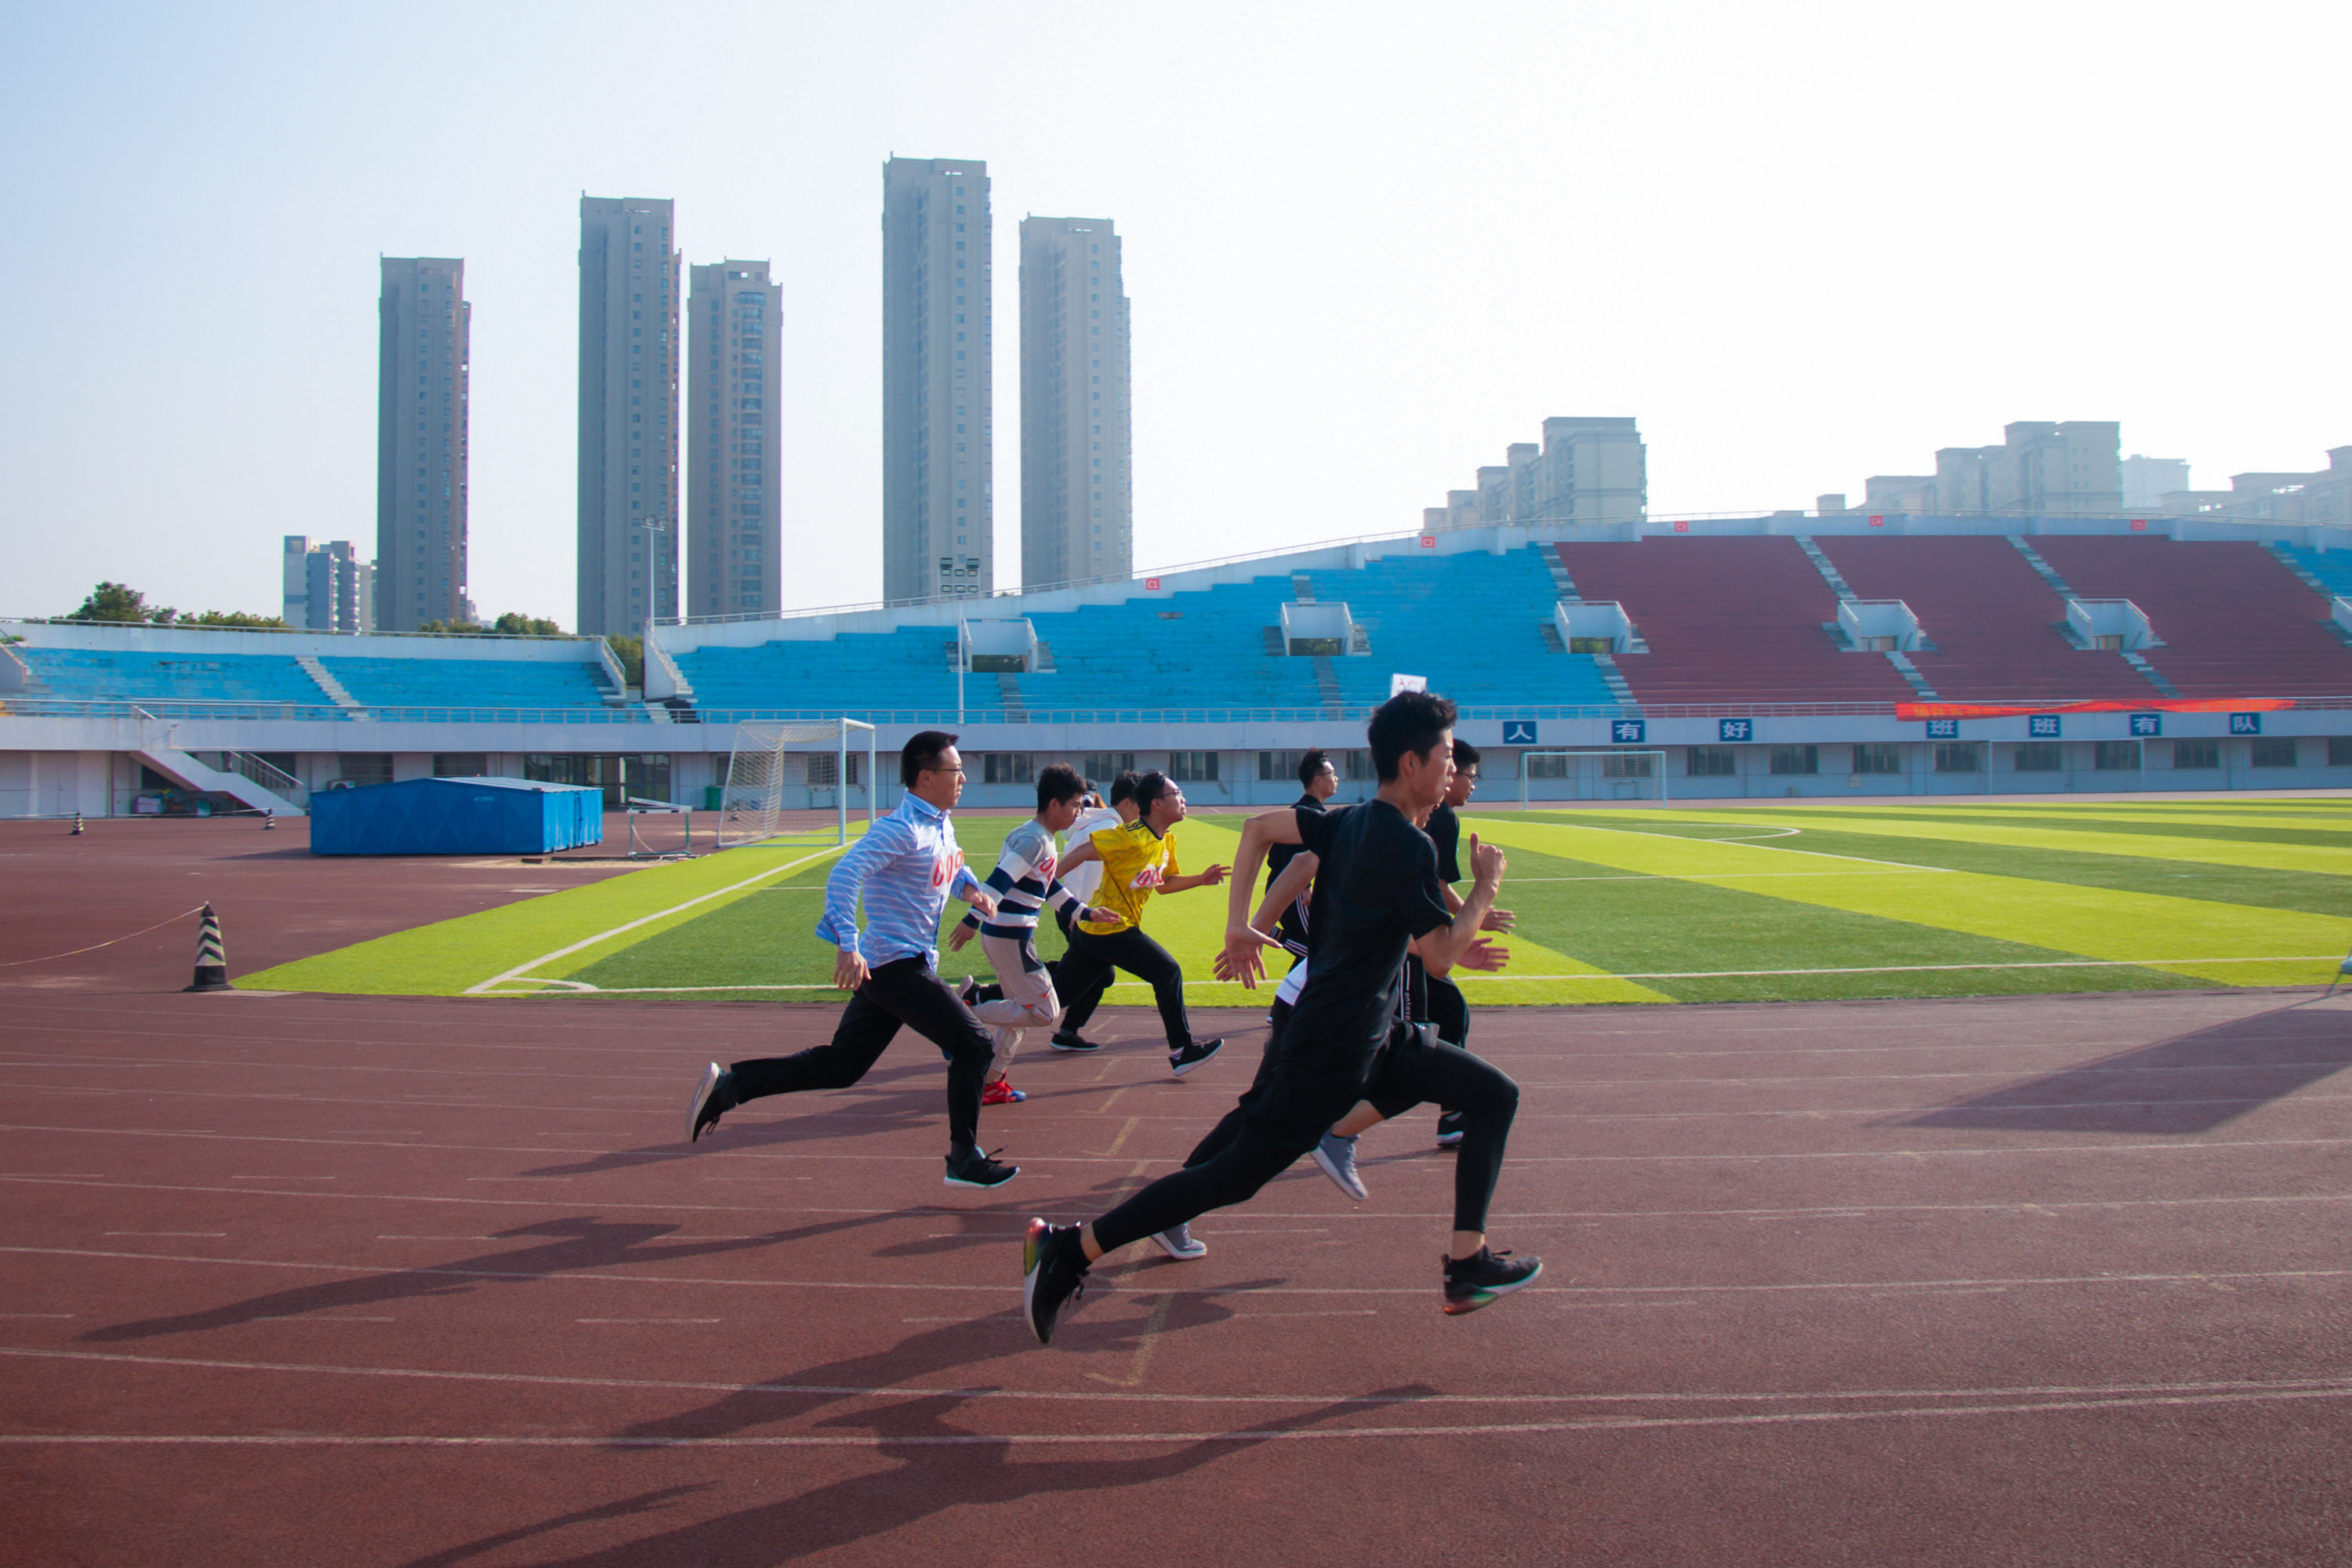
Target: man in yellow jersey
x=1138 y=860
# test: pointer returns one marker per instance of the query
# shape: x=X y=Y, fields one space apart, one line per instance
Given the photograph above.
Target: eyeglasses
x=957 y=770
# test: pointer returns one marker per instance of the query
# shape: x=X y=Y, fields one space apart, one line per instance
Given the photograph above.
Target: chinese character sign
x=2245 y=723
x=2042 y=726
x=1519 y=731
x=1943 y=729
x=2146 y=726
x=1628 y=732
x=1735 y=728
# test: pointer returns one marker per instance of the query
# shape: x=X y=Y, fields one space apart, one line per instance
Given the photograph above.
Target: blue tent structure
x=456 y=816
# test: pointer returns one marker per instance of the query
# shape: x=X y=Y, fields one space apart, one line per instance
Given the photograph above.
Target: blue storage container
x=456 y=816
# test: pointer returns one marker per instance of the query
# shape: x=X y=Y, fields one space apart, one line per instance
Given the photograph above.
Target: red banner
x=2153 y=705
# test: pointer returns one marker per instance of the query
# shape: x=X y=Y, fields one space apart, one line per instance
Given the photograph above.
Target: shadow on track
x=2189 y=1084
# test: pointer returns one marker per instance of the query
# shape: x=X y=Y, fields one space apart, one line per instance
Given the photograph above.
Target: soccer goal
x=1592 y=773
x=793 y=782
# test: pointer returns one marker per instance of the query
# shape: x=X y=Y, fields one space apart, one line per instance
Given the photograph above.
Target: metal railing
x=260 y=770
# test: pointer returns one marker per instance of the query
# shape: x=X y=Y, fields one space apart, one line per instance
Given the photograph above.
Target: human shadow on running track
x=939 y=1466
x=569 y=1247
x=2190 y=1083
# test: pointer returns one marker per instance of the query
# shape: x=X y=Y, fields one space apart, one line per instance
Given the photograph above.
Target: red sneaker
x=1001 y=1092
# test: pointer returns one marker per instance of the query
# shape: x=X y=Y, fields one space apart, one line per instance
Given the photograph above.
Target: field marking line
x=882 y=1441
x=520 y=969
x=1686 y=838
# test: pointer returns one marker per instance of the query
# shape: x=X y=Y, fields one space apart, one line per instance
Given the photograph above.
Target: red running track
x=298 y=1279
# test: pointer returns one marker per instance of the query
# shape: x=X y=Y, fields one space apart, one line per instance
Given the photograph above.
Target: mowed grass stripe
x=1669 y=924
x=2249 y=830
x=2311 y=892
x=443 y=958
x=2087 y=922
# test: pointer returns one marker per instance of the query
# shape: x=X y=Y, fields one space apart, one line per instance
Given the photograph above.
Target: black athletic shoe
x=1473 y=1282
x=714 y=1096
x=1185 y=1059
x=978 y=1169
x=1053 y=1269
x=1071 y=1041
x=1449 y=1129
x=969 y=991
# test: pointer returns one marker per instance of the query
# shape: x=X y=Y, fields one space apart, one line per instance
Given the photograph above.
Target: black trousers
x=1075 y=1009
x=1311 y=1086
x=905 y=992
x=1085 y=975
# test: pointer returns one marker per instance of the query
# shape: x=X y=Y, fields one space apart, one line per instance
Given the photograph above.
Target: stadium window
x=1101 y=767
x=1881 y=757
x=2040 y=757
x=1796 y=759
x=2115 y=756
x=460 y=765
x=2275 y=751
x=1358 y=764
x=1626 y=765
x=1275 y=765
x=1545 y=765
x=2196 y=753
x=1959 y=757
x=1192 y=767
x=1710 y=763
x=2339 y=751
x=823 y=770
x=356 y=769
x=1006 y=768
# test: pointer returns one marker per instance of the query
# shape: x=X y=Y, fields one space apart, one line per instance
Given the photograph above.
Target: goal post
x=1592 y=773
x=779 y=777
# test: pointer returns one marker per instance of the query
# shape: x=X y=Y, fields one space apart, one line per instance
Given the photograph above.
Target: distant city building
x=2041 y=468
x=328 y=588
x=1884 y=493
x=1077 y=441
x=1587 y=470
x=1832 y=505
x=629 y=305
x=735 y=537
x=938 y=528
x=424 y=330
x=2323 y=497
x=2147 y=480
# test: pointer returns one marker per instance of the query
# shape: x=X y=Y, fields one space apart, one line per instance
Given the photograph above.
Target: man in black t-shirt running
x=1319 y=780
x=1376 y=892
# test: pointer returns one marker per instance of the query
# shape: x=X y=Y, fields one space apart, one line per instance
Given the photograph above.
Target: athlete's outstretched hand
x=1243 y=958
x=1488 y=957
x=959 y=937
x=1487 y=861
x=1499 y=920
x=848 y=971
x=982 y=899
x=1213 y=876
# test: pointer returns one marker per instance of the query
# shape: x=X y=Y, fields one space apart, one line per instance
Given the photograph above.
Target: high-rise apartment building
x=328 y=588
x=2042 y=468
x=939 y=527
x=629 y=349
x=735 y=537
x=423 y=327
x=1077 y=446
x=1591 y=470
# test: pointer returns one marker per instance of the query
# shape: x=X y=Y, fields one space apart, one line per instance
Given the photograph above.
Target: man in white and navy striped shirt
x=905 y=865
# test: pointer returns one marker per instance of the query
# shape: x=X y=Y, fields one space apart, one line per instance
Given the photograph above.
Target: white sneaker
x=1337 y=1156
x=1177 y=1242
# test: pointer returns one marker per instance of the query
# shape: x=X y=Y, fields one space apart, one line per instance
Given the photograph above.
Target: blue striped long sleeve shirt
x=905 y=865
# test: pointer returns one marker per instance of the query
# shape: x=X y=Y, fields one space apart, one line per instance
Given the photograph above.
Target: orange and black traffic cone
x=269 y=819
x=212 y=959
x=77 y=831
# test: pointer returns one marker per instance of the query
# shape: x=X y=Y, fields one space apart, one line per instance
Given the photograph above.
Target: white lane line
x=522 y=969
x=1786 y=1287
x=1701 y=877
x=1798 y=1396
x=207 y=1235
x=1130 y=1440
x=316 y=1318
x=645 y=1319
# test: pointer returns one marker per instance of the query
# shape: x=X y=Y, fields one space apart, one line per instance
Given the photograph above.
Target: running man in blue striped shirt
x=1025 y=883
x=905 y=865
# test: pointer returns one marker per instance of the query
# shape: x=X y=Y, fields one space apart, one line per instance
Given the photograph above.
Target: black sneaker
x=1071 y=1040
x=1053 y=1269
x=1184 y=1059
x=1473 y=1282
x=1449 y=1129
x=714 y=1096
x=975 y=1169
x=969 y=991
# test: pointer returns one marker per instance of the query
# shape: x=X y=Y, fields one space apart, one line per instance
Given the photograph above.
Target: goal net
x=794 y=783
x=1592 y=773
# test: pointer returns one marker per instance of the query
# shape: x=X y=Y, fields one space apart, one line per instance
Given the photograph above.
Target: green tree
x=520 y=626
x=631 y=652
x=235 y=618
x=120 y=601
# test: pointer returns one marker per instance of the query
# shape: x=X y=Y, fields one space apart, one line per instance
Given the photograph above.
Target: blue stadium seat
x=98 y=675
x=467 y=682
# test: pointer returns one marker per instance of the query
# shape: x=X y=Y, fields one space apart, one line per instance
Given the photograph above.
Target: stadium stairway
x=2234 y=620
x=1729 y=620
x=1992 y=618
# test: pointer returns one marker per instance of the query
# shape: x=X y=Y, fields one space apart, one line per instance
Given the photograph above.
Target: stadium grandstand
x=1723 y=657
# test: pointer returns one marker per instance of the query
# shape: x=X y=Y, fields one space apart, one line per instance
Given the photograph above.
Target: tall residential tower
x=424 y=327
x=735 y=547
x=937 y=519
x=628 y=414
x=1077 y=446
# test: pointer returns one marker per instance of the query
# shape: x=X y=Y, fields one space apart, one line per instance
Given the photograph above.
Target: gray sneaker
x=1177 y=1242
x=1337 y=1156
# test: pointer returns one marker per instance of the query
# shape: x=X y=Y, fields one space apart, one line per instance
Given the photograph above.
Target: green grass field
x=1698 y=904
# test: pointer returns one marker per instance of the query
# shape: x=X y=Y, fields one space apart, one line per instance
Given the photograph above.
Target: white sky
x=1368 y=246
